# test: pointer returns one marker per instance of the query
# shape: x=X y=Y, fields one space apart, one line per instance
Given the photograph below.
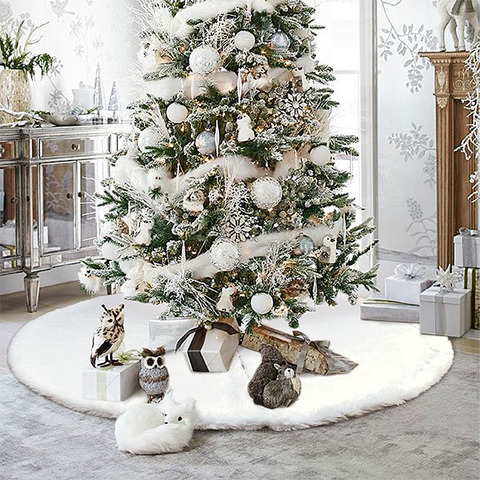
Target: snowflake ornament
x=448 y=279
x=238 y=228
x=294 y=105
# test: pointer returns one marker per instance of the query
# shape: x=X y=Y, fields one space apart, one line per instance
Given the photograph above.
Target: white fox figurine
x=144 y=236
x=154 y=428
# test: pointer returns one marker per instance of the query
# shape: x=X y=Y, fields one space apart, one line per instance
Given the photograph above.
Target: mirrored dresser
x=48 y=178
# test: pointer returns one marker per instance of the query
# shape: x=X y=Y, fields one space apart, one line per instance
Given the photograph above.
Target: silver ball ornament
x=244 y=40
x=320 y=155
x=204 y=60
x=280 y=41
x=224 y=254
x=261 y=303
x=205 y=143
x=150 y=137
x=177 y=113
x=266 y=192
x=306 y=245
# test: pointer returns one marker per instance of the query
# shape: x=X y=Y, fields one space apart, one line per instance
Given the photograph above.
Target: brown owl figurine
x=153 y=375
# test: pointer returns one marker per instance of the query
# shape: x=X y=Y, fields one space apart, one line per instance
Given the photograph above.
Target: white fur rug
x=396 y=364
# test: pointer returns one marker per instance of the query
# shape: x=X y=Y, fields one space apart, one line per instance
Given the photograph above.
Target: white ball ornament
x=177 y=113
x=224 y=254
x=150 y=137
x=204 y=60
x=261 y=303
x=280 y=41
x=205 y=143
x=244 y=40
x=110 y=251
x=320 y=155
x=266 y=192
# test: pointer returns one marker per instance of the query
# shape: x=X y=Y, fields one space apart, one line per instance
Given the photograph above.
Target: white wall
x=80 y=33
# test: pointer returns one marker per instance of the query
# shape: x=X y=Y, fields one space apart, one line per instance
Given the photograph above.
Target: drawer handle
x=69 y=196
x=80 y=194
x=13 y=200
x=75 y=147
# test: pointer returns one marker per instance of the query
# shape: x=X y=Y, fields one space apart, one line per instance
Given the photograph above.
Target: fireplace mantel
x=454 y=210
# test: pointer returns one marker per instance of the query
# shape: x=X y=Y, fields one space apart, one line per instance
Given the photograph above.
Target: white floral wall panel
x=406 y=148
x=81 y=33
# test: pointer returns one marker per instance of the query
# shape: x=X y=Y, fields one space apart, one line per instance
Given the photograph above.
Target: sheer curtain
x=338 y=45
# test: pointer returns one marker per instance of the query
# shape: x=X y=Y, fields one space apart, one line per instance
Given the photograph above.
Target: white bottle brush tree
x=227 y=201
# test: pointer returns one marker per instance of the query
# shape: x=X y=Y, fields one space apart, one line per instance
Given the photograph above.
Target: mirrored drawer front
x=71 y=147
x=9 y=150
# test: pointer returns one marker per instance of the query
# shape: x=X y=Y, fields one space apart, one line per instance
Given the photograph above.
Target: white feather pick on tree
x=89 y=282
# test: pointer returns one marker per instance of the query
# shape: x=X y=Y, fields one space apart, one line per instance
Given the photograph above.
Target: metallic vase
x=15 y=93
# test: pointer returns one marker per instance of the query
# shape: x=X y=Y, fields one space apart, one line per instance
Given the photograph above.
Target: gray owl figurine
x=108 y=336
x=153 y=375
x=284 y=390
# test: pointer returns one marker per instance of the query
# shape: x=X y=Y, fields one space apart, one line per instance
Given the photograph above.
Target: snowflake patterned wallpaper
x=80 y=34
x=406 y=146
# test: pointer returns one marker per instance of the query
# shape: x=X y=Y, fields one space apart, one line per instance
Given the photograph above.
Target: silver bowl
x=66 y=119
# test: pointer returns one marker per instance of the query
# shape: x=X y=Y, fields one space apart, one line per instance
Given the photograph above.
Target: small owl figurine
x=108 y=336
x=153 y=375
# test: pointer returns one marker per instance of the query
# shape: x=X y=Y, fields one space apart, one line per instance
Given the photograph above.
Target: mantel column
x=454 y=209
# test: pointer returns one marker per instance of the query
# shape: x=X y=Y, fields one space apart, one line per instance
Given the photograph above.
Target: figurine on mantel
x=456 y=14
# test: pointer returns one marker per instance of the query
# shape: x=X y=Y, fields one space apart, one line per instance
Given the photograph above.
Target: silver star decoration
x=447 y=279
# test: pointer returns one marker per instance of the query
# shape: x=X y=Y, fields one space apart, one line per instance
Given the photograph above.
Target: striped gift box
x=471 y=280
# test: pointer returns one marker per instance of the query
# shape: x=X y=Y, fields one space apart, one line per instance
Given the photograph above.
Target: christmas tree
x=227 y=201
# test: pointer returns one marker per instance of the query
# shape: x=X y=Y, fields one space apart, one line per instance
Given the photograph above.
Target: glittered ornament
x=224 y=254
x=205 y=143
x=320 y=155
x=150 y=137
x=261 y=303
x=306 y=245
x=266 y=192
x=280 y=41
x=204 y=60
x=244 y=40
x=177 y=113
x=110 y=251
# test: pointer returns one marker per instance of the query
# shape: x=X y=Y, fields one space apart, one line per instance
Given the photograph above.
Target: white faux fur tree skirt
x=396 y=364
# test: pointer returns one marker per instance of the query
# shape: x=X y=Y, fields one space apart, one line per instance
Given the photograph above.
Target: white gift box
x=466 y=250
x=167 y=331
x=405 y=290
x=389 y=312
x=114 y=384
x=445 y=313
x=212 y=350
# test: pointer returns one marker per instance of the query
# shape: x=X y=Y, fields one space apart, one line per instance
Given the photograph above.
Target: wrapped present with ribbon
x=113 y=383
x=445 y=309
x=466 y=248
x=211 y=346
x=311 y=355
x=383 y=310
x=166 y=330
x=471 y=281
x=407 y=283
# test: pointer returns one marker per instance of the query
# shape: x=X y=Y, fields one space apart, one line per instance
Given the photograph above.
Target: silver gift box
x=167 y=330
x=390 y=312
x=114 y=384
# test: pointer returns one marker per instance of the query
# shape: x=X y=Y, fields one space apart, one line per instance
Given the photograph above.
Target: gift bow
x=203 y=330
x=306 y=344
x=467 y=232
x=447 y=279
x=410 y=270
